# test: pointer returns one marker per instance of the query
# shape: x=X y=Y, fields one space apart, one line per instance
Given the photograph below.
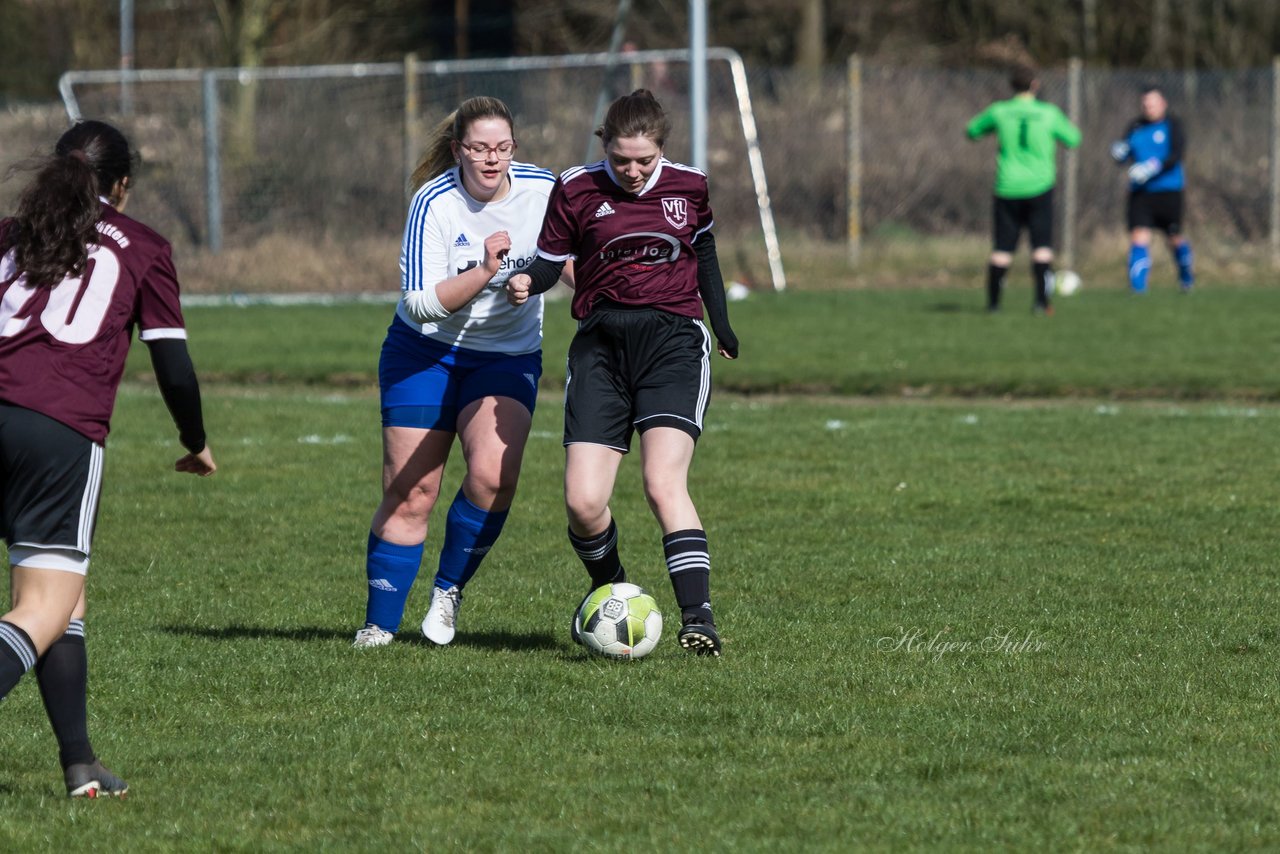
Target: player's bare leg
x=43 y=601
x=48 y=609
x=668 y=453
x=413 y=462
x=590 y=472
x=493 y=432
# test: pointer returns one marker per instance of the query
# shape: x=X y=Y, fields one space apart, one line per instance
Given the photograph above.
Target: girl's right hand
x=496 y=247
x=518 y=288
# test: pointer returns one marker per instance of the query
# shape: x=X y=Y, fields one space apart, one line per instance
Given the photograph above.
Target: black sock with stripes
x=17 y=656
x=689 y=564
x=599 y=554
x=63 y=674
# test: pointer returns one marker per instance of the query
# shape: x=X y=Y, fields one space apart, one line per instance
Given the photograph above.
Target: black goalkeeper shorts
x=632 y=369
x=1012 y=215
x=1156 y=210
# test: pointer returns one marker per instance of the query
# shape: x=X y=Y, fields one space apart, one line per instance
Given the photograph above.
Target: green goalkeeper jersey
x=1027 y=130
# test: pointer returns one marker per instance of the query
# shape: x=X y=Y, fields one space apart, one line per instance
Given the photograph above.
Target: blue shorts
x=425 y=384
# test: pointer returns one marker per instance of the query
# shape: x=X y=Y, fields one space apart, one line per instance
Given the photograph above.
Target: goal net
x=235 y=159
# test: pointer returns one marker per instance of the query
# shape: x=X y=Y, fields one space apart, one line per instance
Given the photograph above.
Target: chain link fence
x=319 y=161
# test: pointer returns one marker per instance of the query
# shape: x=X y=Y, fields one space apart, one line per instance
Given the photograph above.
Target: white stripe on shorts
x=89 y=503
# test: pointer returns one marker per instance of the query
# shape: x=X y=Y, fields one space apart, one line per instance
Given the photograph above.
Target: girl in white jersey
x=458 y=362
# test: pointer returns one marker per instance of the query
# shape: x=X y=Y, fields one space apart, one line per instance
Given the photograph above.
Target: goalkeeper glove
x=1141 y=173
x=1120 y=151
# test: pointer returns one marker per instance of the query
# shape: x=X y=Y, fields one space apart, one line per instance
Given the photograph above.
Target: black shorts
x=635 y=368
x=50 y=480
x=1034 y=214
x=1156 y=210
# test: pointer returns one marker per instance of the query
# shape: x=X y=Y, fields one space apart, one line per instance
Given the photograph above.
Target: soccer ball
x=1066 y=283
x=619 y=621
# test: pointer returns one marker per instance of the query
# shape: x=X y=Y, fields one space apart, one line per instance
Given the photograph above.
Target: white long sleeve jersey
x=444 y=236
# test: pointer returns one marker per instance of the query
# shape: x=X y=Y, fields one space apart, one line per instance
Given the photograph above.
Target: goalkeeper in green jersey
x=1028 y=131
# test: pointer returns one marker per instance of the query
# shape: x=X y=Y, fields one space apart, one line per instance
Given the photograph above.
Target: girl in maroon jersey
x=76 y=276
x=638 y=229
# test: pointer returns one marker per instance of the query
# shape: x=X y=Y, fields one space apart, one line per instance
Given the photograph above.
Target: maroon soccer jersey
x=632 y=248
x=62 y=349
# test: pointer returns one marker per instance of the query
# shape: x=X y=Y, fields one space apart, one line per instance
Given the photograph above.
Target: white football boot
x=441 y=621
x=371 y=636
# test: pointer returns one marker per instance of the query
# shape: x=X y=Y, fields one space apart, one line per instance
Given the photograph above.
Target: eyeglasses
x=480 y=151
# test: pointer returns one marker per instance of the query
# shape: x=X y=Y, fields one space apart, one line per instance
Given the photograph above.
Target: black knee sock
x=599 y=554
x=995 y=284
x=17 y=656
x=689 y=564
x=63 y=674
x=1040 y=280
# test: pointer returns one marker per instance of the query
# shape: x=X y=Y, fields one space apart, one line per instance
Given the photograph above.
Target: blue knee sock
x=391 y=570
x=469 y=533
x=1139 y=266
x=1182 y=254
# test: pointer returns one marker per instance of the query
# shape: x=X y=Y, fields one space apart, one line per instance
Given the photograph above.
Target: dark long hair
x=637 y=114
x=58 y=210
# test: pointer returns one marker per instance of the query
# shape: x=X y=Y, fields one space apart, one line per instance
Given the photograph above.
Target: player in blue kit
x=459 y=362
x=1153 y=148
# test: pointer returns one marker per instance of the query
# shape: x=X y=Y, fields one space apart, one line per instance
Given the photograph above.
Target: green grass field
x=985 y=582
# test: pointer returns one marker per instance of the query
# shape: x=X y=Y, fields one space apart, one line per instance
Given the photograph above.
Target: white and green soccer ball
x=619 y=621
x=1066 y=283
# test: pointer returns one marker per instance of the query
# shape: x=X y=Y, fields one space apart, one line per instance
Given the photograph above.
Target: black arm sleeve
x=180 y=389
x=711 y=286
x=544 y=274
x=1177 y=143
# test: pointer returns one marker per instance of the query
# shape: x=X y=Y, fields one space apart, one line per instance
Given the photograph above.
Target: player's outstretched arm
x=980 y=125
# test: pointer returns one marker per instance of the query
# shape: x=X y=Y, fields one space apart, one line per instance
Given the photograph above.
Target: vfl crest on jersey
x=676 y=211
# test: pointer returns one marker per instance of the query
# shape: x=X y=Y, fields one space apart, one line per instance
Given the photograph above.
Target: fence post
x=412 y=146
x=212 y=166
x=853 y=126
x=1071 y=184
x=1275 y=162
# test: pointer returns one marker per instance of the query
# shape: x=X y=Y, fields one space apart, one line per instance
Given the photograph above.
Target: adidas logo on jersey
x=462 y=241
x=604 y=210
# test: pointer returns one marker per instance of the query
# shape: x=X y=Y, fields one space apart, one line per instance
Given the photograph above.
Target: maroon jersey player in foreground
x=638 y=228
x=76 y=276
